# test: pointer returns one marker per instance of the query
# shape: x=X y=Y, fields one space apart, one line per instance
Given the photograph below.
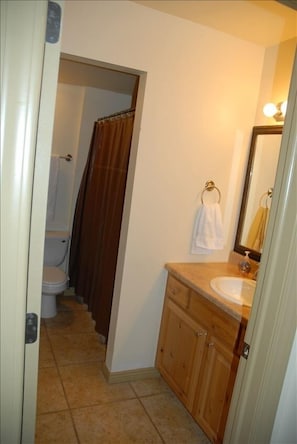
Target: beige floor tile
x=173 y=422
x=122 y=422
x=50 y=394
x=46 y=357
x=42 y=328
x=70 y=322
x=71 y=349
x=69 y=303
x=103 y=413
x=148 y=387
x=85 y=385
x=55 y=428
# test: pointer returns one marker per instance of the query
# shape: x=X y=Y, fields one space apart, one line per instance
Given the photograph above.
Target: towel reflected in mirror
x=256 y=235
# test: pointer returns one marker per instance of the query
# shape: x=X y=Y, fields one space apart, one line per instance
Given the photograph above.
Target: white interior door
x=25 y=154
x=38 y=221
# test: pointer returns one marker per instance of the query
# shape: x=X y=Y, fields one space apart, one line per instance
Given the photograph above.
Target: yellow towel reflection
x=257 y=231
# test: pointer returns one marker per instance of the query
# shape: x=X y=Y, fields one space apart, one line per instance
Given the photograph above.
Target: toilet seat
x=53 y=275
x=54 y=280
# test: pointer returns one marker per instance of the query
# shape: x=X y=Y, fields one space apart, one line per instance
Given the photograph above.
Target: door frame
x=272 y=325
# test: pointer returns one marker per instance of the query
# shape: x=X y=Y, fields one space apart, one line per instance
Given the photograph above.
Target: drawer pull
x=210 y=344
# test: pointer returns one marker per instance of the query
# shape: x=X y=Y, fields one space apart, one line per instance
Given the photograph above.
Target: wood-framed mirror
x=258 y=190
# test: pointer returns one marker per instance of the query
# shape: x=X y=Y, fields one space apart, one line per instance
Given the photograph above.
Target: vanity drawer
x=215 y=321
x=178 y=292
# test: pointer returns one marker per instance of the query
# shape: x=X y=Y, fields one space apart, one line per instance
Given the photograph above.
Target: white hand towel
x=208 y=230
x=52 y=188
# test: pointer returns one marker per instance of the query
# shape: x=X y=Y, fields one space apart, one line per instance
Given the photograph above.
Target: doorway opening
x=88 y=90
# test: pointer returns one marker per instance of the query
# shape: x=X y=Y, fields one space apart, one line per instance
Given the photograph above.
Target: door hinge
x=245 y=350
x=31 y=328
x=53 y=23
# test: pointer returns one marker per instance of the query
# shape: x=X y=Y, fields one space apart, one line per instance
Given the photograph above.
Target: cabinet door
x=214 y=388
x=180 y=352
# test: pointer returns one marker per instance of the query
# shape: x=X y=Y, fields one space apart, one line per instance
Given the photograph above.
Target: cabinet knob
x=210 y=344
x=201 y=333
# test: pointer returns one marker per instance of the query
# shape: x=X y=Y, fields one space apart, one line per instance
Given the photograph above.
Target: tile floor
x=77 y=406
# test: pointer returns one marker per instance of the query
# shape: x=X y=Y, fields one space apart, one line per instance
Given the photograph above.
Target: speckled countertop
x=198 y=276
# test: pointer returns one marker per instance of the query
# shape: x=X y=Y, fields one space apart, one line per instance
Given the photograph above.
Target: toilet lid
x=53 y=275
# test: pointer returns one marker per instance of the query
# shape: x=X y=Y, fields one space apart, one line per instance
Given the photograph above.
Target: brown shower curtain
x=98 y=216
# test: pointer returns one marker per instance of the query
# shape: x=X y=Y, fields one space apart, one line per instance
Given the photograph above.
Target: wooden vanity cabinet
x=198 y=355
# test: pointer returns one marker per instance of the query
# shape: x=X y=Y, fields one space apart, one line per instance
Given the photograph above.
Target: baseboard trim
x=129 y=375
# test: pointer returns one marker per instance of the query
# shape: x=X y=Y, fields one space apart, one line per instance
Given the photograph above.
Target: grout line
x=74 y=426
x=151 y=420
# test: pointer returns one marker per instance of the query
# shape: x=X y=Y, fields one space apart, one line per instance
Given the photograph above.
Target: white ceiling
x=262 y=22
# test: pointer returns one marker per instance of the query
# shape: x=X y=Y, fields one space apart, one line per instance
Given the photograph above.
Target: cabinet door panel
x=213 y=396
x=180 y=352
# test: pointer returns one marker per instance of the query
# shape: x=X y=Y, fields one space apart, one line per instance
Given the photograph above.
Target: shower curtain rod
x=118 y=114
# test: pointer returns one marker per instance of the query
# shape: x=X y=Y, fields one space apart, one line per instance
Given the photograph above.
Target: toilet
x=54 y=280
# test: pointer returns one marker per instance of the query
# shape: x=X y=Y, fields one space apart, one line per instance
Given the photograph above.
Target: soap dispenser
x=245 y=265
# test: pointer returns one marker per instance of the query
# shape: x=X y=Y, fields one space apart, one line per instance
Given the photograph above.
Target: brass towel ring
x=210 y=186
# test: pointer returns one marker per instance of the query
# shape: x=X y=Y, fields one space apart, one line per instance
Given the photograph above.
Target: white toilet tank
x=55 y=247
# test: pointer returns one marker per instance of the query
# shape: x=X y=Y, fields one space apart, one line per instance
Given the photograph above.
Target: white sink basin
x=235 y=289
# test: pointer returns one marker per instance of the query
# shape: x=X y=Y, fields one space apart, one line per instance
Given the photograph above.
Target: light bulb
x=269 y=110
x=283 y=107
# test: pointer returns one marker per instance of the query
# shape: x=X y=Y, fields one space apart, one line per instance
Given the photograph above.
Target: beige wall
x=276 y=75
x=199 y=105
x=68 y=113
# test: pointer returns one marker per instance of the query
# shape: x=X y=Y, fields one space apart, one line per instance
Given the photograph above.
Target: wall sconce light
x=277 y=111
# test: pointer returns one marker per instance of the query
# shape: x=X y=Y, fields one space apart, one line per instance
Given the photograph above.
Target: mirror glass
x=258 y=190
